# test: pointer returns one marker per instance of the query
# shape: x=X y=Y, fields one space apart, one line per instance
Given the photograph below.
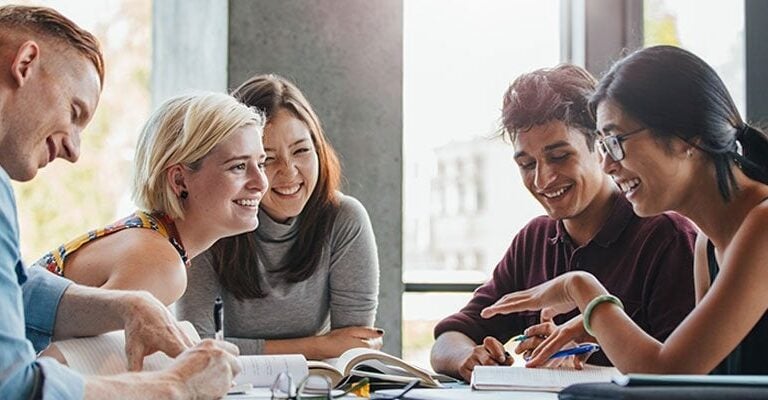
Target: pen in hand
x=218 y=318
x=583 y=348
x=524 y=337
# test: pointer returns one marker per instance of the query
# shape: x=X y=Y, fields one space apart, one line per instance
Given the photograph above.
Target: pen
x=519 y=338
x=580 y=349
x=523 y=337
x=218 y=318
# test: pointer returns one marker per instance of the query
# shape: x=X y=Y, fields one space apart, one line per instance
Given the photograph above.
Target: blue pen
x=580 y=349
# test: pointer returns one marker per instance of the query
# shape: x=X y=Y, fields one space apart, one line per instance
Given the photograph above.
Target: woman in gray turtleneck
x=306 y=281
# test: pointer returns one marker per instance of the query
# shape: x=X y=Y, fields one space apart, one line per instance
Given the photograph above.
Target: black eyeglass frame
x=296 y=393
x=611 y=145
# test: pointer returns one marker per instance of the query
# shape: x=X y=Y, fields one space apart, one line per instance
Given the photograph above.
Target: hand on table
x=340 y=340
x=150 y=327
x=491 y=352
x=207 y=369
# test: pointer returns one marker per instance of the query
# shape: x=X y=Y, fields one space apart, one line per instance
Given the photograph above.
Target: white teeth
x=247 y=202
x=628 y=185
x=557 y=193
x=288 y=190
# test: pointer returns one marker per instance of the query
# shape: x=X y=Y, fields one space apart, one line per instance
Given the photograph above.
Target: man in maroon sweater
x=647 y=262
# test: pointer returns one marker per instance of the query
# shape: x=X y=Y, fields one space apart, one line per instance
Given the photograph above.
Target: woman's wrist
x=582 y=288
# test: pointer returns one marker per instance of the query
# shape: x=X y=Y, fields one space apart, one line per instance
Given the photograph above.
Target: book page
x=554 y=379
x=262 y=370
x=390 y=366
x=105 y=354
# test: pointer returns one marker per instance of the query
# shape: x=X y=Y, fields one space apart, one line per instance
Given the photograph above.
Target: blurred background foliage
x=67 y=200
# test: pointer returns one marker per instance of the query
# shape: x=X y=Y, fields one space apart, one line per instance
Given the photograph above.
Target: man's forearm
x=449 y=352
x=146 y=385
x=88 y=311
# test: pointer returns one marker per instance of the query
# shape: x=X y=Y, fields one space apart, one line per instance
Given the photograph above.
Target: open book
x=376 y=365
x=105 y=355
x=537 y=379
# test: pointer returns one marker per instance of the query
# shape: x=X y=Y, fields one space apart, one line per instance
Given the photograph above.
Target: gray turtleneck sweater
x=342 y=292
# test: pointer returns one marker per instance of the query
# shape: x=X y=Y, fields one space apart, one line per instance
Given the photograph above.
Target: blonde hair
x=183 y=130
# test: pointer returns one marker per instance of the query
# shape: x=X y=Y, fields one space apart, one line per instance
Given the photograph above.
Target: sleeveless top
x=750 y=356
x=55 y=260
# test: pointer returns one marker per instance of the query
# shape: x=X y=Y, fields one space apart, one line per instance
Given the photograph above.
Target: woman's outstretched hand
x=552 y=294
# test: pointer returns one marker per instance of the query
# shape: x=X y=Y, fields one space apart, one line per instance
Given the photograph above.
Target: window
x=463 y=200
x=713 y=30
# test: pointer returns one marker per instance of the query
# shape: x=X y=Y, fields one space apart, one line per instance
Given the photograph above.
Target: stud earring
x=689 y=153
x=184 y=194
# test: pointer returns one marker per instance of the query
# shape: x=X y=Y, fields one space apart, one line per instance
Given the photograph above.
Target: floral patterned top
x=55 y=260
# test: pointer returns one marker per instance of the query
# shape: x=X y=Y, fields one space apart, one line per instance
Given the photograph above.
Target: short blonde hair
x=183 y=130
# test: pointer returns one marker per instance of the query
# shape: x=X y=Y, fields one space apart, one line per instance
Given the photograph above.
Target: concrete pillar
x=189 y=47
x=345 y=55
x=756 y=31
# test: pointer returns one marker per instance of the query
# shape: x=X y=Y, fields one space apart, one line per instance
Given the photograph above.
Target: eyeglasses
x=314 y=387
x=397 y=395
x=611 y=144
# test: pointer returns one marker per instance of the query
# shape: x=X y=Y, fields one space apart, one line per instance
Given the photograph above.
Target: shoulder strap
x=712 y=261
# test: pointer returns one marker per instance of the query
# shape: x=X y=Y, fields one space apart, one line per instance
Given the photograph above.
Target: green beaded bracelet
x=594 y=303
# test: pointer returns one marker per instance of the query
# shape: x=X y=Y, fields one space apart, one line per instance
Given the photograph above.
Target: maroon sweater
x=646 y=262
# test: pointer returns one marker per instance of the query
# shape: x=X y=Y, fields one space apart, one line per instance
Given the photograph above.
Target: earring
x=184 y=194
x=689 y=153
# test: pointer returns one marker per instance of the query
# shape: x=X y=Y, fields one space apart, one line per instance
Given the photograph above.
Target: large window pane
x=713 y=30
x=463 y=199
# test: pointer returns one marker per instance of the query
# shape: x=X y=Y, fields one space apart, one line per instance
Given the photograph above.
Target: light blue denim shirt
x=34 y=299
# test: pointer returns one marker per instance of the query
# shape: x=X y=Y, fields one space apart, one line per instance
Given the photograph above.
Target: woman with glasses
x=673 y=140
x=307 y=280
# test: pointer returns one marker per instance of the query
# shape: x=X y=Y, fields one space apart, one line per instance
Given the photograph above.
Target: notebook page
x=509 y=378
x=262 y=370
x=105 y=354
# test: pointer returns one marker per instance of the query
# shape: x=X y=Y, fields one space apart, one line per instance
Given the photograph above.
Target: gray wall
x=346 y=56
x=756 y=32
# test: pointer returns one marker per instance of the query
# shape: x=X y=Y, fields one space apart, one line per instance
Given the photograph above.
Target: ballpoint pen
x=523 y=337
x=218 y=319
x=580 y=349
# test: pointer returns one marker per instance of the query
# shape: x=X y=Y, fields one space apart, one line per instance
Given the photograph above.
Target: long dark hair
x=235 y=257
x=674 y=93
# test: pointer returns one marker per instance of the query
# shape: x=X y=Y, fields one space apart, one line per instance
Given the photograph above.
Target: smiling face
x=292 y=166
x=226 y=189
x=652 y=174
x=46 y=115
x=558 y=169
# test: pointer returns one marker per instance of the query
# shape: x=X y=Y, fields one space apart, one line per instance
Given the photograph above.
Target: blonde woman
x=198 y=177
x=306 y=281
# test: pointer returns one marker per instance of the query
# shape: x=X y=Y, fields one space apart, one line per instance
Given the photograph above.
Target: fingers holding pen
x=497 y=352
x=540 y=356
